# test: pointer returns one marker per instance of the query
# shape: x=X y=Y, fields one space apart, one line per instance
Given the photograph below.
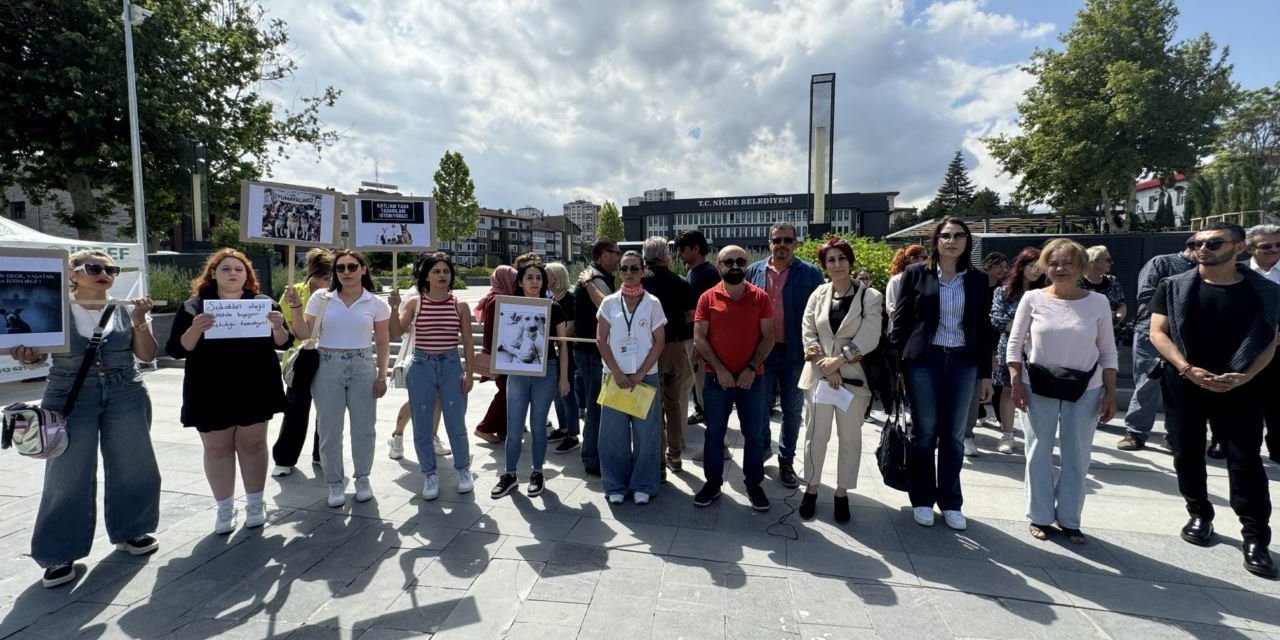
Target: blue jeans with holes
x=431 y=376
x=940 y=387
x=530 y=397
x=753 y=408
x=591 y=368
x=778 y=371
x=631 y=447
x=1074 y=423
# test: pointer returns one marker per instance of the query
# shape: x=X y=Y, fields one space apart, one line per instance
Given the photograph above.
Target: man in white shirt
x=1264 y=245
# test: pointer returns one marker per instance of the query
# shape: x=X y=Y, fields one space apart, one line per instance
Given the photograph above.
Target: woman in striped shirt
x=438 y=320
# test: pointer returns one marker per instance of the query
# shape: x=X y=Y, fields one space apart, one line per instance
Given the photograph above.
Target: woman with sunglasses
x=297 y=413
x=354 y=348
x=230 y=431
x=114 y=409
x=1098 y=279
x=631 y=334
x=941 y=327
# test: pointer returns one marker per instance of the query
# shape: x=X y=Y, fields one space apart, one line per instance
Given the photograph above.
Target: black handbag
x=879 y=366
x=1059 y=383
x=893 y=455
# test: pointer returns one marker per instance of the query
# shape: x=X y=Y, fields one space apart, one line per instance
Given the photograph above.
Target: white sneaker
x=641 y=497
x=616 y=498
x=395 y=447
x=226 y=522
x=923 y=516
x=1006 y=443
x=441 y=449
x=280 y=471
x=337 y=495
x=465 y=481
x=255 y=514
x=364 y=492
x=970 y=448
x=431 y=487
x=955 y=520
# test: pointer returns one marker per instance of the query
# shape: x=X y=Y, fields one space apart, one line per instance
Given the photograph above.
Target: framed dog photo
x=272 y=213
x=34 y=306
x=393 y=223
x=520 y=336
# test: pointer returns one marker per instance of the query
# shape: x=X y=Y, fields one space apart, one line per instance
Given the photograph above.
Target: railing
x=1243 y=218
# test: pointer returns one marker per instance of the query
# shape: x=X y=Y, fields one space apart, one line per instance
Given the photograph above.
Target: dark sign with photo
x=393 y=223
x=30 y=302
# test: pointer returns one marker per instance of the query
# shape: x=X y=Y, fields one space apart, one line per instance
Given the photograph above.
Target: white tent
x=128 y=256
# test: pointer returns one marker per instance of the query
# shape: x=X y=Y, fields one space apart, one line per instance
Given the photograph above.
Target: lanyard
x=632 y=317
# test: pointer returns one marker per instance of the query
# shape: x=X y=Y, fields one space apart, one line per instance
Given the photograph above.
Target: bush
x=171 y=284
x=873 y=255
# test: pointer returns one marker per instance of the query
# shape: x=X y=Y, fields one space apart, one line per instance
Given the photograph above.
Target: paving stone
x=903 y=612
x=147 y=620
x=564 y=614
x=678 y=625
x=764 y=603
x=1139 y=597
x=1260 y=611
x=728 y=547
x=825 y=601
x=539 y=631
x=458 y=565
x=566 y=583
x=868 y=564
x=72 y=620
x=525 y=522
x=636 y=583
x=1053 y=621
x=422 y=609
x=820 y=632
x=986 y=577
x=618 y=618
x=615 y=534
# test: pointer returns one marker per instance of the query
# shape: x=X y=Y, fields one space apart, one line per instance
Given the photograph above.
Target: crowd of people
x=1035 y=337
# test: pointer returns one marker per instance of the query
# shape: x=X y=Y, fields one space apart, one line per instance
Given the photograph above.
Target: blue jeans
x=591 y=368
x=778 y=371
x=567 y=406
x=113 y=409
x=1141 y=414
x=753 y=409
x=940 y=387
x=344 y=384
x=631 y=448
x=1074 y=424
x=532 y=397
x=431 y=376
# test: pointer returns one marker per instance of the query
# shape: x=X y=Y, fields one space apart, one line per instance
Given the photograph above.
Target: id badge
x=629 y=356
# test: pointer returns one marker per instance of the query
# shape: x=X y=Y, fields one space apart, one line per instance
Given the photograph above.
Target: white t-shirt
x=86 y=320
x=630 y=346
x=348 y=327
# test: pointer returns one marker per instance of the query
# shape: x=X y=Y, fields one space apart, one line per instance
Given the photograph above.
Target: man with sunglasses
x=1216 y=328
x=789 y=281
x=594 y=284
x=1264 y=247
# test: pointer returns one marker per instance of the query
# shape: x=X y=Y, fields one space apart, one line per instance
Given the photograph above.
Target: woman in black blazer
x=940 y=329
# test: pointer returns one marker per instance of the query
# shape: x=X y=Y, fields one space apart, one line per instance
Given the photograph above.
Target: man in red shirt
x=733 y=332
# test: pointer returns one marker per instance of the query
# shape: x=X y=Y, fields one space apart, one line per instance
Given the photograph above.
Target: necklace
x=847 y=291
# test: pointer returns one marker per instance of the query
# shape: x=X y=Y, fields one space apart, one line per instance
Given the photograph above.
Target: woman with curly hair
x=1024 y=275
x=902 y=258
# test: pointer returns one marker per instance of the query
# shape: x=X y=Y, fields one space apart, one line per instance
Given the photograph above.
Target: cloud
x=550 y=101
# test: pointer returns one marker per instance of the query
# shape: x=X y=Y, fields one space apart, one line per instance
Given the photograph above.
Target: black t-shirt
x=702 y=277
x=839 y=310
x=1217 y=323
x=584 y=310
x=677 y=301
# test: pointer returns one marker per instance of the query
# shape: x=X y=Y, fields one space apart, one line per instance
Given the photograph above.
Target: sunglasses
x=1265 y=247
x=97 y=269
x=1212 y=245
x=347 y=267
x=734 y=262
x=631 y=268
x=957 y=236
x=787 y=240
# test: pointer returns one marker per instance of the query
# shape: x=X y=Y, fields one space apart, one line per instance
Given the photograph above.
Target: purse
x=41 y=433
x=403 y=358
x=305 y=356
x=1059 y=383
x=880 y=367
x=893 y=455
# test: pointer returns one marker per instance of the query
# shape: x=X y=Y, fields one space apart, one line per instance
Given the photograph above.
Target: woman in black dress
x=235 y=429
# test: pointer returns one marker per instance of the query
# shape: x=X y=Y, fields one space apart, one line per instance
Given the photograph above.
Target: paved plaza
x=569 y=565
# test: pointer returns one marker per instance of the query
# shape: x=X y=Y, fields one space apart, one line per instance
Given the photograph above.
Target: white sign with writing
x=238 y=319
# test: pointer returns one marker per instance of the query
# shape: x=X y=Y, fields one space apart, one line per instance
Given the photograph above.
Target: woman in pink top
x=1068 y=329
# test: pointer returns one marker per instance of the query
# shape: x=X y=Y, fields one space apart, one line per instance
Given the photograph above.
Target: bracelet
x=141 y=327
x=293 y=306
x=1183 y=371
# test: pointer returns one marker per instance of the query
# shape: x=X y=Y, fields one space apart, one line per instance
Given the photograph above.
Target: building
x=529 y=211
x=745 y=220
x=586 y=215
x=1150 y=192
x=18 y=206
x=659 y=195
x=561 y=239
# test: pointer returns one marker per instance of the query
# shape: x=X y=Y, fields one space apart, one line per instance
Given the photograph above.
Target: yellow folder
x=635 y=401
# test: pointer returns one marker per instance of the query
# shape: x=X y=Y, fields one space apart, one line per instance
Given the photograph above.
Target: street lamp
x=134 y=16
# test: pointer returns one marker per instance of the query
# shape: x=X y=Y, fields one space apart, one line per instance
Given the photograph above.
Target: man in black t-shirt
x=1216 y=328
x=595 y=283
x=701 y=275
x=674 y=371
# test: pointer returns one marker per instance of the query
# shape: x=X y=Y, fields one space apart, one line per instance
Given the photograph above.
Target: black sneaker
x=535 y=484
x=139 y=546
x=706 y=495
x=557 y=435
x=569 y=443
x=58 y=575
x=759 y=501
x=696 y=418
x=592 y=471
x=505 y=484
x=787 y=474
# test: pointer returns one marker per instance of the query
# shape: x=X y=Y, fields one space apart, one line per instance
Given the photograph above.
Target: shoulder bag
x=893 y=455
x=306 y=356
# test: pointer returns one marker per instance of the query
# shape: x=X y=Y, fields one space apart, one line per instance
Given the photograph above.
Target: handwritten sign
x=238 y=319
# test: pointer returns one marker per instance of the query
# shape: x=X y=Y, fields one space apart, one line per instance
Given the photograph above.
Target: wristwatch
x=850 y=352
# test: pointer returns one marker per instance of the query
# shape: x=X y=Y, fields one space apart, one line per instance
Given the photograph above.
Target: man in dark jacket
x=674 y=373
x=594 y=284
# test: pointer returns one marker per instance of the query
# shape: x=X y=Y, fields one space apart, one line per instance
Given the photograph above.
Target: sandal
x=1039 y=531
x=1074 y=536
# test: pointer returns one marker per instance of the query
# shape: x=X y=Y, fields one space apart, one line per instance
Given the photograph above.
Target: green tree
x=1199 y=197
x=202 y=67
x=1119 y=101
x=955 y=196
x=1163 y=219
x=1250 y=139
x=986 y=202
x=1221 y=188
x=226 y=234
x=609 y=221
x=457 y=211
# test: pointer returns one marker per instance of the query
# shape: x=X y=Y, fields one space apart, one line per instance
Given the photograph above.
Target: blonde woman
x=566 y=405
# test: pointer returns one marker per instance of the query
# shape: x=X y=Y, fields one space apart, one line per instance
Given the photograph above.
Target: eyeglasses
x=347 y=267
x=1265 y=247
x=786 y=240
x=1212 y=245
x=97 y=269
x=630 y=268
x=734 y=262
x=613 y=251
x=957 y=236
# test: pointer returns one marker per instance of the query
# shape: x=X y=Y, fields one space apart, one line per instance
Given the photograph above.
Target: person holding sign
x=114 y=409
x=631 y=333
x=354 y=330
x=297 y=413
x=228 y=331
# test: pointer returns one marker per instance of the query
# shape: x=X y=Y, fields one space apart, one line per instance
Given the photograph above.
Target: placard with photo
x=393 y=223
x=285 y=214
x=520 y=336
x=34 y=309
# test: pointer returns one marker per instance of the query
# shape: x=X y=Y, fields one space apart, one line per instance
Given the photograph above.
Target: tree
x=1163 y=219
x=1199 y=197
x=457 y=211
x=1250 y=141
x=1119 y=101
x=201 y=68
x=956 y=193
x=986 y=202
x=609 y=222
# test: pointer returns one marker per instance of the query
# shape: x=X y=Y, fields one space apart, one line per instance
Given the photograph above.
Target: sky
x=550 y=101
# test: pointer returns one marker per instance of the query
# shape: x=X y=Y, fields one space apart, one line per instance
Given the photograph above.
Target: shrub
x=873 y=255
x=171 y=284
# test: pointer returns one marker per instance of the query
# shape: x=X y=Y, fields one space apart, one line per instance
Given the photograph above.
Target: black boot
x=1257 y=560
x=1198 y=531
x=842 y=509
x=1216 y=450
x=808 y=504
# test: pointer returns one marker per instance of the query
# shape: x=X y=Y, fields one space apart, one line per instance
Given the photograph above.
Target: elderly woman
x=841 y=323
x=230 y=431
x=1062 y=370
x=113 y=413
x=1098 y=279
x=502 y=282
x=631 y=335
